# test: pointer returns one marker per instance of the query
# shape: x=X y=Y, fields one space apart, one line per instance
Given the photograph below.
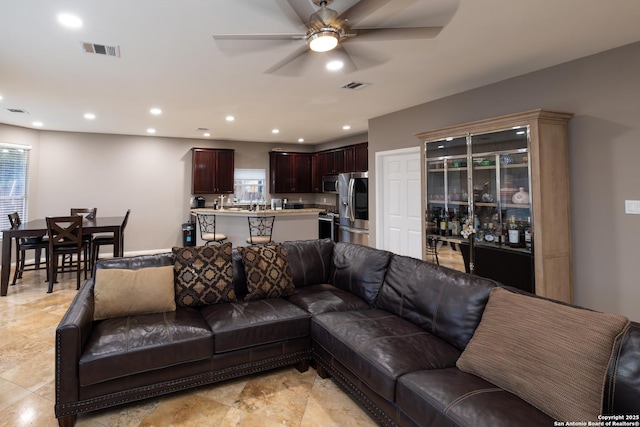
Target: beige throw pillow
x=124 y=292
x=553 y=356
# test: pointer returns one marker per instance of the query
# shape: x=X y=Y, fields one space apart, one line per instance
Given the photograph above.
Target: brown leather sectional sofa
x=389 y=329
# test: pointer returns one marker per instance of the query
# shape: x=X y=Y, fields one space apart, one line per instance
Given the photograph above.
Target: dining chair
x=104 y=239
x=208 y=229
x=65 y=238
x=260 y=229
x=89 y=213
x=23 y=244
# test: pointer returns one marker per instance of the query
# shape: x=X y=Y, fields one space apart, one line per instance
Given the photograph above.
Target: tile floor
x=276 y=398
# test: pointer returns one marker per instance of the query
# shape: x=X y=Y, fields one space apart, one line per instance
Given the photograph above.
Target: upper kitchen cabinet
x=361 y=157
x=212 y=171
x=290 y=172
x=508 y=178
x=353 y=158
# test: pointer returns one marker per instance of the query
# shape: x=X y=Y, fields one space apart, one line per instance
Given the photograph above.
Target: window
x=14 y=172
x=249 y=185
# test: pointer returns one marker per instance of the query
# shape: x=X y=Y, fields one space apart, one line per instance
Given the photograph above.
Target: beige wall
x=604 y=144
x=149 y=175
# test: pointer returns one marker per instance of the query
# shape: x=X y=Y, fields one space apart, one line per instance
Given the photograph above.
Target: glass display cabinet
x=507 y=179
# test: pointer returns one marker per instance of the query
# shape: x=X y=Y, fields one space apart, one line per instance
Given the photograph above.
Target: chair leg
x=78 y=270
x=53 y=269
x=17 y=269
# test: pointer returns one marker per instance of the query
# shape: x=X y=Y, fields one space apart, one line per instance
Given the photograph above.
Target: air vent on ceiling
x=17 y=110
x=354 y=85
x=101 y=49
x=202 y=129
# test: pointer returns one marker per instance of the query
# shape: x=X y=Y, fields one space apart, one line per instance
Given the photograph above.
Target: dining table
x=38 y=228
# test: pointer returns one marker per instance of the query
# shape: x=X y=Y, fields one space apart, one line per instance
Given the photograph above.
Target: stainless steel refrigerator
x=353 y=196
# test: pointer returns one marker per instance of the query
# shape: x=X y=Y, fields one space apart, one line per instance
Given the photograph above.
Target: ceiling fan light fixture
x=323 y=40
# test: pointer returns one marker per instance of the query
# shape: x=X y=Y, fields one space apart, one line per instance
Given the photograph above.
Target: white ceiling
x=170 y=60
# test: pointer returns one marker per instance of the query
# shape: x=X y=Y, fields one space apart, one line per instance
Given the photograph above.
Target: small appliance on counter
x=276 y=204
x=200 y=201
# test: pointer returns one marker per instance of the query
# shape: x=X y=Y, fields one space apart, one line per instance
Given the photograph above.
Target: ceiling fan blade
x=293 y=57
x=284 y=36
x=361 y=10
x=303 y=8
x=384 y=34
x=341 y=54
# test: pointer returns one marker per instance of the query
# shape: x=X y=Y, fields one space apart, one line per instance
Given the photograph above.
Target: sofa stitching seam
x=470 y=394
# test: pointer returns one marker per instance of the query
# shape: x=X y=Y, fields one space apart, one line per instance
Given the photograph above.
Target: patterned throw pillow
x=268 y=271
x=203 y=275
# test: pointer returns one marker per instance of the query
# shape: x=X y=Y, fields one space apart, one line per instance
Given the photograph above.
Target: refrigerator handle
x=352 y=216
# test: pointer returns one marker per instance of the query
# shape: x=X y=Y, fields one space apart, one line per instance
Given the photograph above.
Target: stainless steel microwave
x=330 y=184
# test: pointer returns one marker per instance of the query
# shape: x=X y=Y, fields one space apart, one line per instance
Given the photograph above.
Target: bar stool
x=24 y=244
x=432 y=248
x=208 y=229
x=260 y=229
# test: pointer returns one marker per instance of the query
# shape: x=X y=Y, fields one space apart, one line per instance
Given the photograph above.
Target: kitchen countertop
x=246 y=212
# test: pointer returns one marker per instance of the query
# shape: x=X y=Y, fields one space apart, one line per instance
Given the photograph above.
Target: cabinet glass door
x=501 y=188
x=447 y=186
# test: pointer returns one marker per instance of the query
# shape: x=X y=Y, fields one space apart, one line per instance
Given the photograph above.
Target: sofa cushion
x=379 y=347
x=310 y=261
x=203 y=275
x=450 y=397
x=267 y=271
x=324 y=298
x=245 y=324
x=551 y=355
x=123 y=292
x=445 y=302
x=130 y=345
x=359 y=270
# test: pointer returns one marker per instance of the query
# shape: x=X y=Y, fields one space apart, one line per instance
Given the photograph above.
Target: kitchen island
x=289 y=224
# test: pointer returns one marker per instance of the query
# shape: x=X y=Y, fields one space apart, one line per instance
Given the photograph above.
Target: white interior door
x=399 y=228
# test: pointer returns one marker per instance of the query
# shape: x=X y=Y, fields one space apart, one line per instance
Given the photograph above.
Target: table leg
x=6 y=263
x=117 y=243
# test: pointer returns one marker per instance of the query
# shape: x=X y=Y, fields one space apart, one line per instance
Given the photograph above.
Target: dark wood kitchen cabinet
x=212 y=171
x=361 y=158
x=290 y=172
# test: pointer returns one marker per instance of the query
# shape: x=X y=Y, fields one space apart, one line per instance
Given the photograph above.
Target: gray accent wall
x=603 y=91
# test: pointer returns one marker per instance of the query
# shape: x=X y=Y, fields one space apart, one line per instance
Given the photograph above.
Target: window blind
x=14 y=175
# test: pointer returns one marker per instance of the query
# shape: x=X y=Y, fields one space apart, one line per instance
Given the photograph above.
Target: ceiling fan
x=327 y=30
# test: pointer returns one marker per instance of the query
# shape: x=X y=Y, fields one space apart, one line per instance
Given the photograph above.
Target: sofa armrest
x=72 y=334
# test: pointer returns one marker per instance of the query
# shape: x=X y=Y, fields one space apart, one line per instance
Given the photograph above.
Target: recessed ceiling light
x=230 y=118
x=151 y=130
x=520 y=132
x=155 y=111
x=89 y=116
x=70 y=21
x=300 y=139
x=346 y=127
x=275 y=131
x=206 y=134
x=335 y=65
x=38 y=124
